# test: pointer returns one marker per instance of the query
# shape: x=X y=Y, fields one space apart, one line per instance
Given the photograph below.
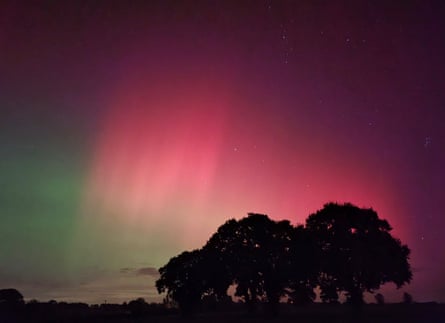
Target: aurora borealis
x=131 y=130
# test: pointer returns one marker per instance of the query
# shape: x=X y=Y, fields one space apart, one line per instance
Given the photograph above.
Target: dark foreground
x=418 y=312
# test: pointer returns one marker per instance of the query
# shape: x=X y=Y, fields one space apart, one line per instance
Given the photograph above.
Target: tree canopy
x=341 y=248
x=255 y=252
x=358 y=252
x=183 y=278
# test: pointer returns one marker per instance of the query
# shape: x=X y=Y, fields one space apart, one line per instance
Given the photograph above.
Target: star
x=427 y=142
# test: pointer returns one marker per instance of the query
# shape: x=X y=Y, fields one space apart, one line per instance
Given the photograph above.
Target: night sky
x=130 y=130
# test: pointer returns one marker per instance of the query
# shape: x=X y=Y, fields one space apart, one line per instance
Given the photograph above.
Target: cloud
x=126 y=270
x=149 y=271
x=143 y=271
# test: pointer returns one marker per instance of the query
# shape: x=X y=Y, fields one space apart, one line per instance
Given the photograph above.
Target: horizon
x=392 y=294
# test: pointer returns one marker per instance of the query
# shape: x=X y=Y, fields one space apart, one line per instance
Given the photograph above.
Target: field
x=316 y=313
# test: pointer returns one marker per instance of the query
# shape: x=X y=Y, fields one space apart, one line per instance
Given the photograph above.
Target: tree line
x=341 y=248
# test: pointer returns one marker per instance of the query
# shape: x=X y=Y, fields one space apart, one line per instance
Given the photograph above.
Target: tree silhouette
x=137 y=306
x=407 y=298
x=342 y=248
x=216 y=276
x=358 y=252
x=10 y=296
x=328 y=285
x=11 y=300
x=183 y=280
x=265 y=259
x=255 y=252
x=304 y=258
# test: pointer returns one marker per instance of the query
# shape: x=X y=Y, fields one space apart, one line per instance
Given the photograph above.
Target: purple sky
x=131 y=130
